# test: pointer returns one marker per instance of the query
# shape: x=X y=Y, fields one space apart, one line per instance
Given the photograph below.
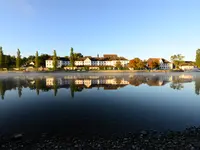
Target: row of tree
x=7 y=61
x=39 y=84
x=139 y=64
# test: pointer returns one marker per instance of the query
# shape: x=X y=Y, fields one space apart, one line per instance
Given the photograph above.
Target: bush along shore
x=189 y=139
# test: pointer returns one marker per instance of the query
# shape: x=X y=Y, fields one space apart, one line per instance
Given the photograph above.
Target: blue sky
x=130 y=28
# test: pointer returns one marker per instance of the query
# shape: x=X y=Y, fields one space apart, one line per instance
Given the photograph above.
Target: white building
x=187 y=65
x=32 y=63
x=60 y=62
x=163 y=63
x=89 y=61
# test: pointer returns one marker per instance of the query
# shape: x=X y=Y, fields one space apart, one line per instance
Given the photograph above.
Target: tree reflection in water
x=176 y=86
x=77 y=84
x=197 y=85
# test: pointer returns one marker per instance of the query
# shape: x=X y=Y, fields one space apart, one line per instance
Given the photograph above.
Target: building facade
x=90 y=61
x=187 y=65
x=163 y=63
x=60 y=62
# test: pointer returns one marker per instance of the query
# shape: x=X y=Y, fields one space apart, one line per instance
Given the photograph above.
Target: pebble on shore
x=189 y=139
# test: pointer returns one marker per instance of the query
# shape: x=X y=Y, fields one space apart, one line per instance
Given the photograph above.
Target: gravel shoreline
x=189 y=139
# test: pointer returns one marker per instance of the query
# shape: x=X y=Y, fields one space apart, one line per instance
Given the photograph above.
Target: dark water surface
x=102 y=104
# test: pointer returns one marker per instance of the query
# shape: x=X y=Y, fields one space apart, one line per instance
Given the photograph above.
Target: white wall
x=60 y=63
x=86 y=62
x=187 y=67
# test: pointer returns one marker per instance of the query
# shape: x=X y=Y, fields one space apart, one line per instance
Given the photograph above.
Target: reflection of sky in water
x=128 y=108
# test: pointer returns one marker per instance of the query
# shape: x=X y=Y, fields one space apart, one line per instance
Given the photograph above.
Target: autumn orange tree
x=136 y=63
x=153 y=63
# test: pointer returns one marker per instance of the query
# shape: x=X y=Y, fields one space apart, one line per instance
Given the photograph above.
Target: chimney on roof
x=97 y=55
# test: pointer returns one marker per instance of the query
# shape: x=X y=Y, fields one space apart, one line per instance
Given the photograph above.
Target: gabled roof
x=165 y=61
x=158 y=59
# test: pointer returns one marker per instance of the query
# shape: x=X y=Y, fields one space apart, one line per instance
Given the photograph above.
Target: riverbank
x=94 y=71
x=189 y=139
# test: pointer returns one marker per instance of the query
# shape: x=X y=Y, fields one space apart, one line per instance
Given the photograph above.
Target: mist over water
x=84 y=104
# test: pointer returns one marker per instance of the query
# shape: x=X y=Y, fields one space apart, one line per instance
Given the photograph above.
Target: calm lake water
x=88 y=104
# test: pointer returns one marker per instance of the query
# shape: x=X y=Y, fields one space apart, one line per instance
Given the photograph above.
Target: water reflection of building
x=152 y=80
x=186 y=78
x=182 y=78
x=179 y=80
x=113 y=82
x=86 y=82
x=79 y=83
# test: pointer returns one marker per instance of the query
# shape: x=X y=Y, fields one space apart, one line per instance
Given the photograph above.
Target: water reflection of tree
x=155 y=81
x=137 y=80
x=37 y=85
x=19 y=91
x=2 y=89
x=118 y=80
x=197 y=86
x=176 y=86
x=177 y=83
x=20 y=83
x=72 y=88
x=75 y=88
x=11 y=83
x=55 y=86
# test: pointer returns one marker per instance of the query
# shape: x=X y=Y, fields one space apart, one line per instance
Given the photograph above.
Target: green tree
x=13 y=61
x=18 y=59
x=118 y=65
x=36 y=60
x=72 y=57
x=198 y=58
x=1 y=58
x=43 y=58
x=31 y=58
x=54 y=60
x=77 y=56
x=7 y=61
x=24 y=61
x=177 y=60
